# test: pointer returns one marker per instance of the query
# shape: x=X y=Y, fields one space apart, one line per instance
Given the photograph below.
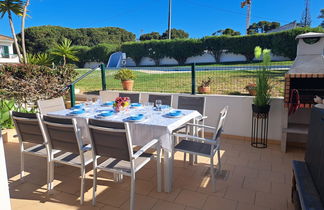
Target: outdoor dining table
x=155 y=125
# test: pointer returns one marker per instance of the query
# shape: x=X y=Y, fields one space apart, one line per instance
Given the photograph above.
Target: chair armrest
x=201 y=126
x=145 y=147
x=203 y=140
x=202 y=117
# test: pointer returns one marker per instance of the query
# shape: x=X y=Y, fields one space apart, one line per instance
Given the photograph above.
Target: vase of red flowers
x=121 y=103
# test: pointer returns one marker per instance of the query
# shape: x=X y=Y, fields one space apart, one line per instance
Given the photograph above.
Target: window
x=4 y=51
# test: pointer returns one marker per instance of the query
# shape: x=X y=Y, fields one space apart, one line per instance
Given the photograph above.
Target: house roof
x=7 y=38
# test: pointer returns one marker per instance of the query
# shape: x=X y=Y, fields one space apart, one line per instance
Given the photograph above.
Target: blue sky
x=198 y=17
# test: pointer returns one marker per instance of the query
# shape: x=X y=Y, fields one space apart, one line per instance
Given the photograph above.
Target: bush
x=27 y=83
x=125 y=74
x=280 y=43
x=101 y=52
x=82 y=54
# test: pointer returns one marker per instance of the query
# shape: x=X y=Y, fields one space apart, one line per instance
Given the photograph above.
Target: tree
x=23 y=43
x=65 y=50
x=175 y=34
x=8 y=7
x=230 y=32
x=262 y=27
x=150 y=36
x=322 y=16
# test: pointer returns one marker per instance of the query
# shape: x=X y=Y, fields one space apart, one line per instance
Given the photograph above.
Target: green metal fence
x=226 y=79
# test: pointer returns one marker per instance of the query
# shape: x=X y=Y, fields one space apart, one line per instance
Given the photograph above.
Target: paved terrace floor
x=256 y=179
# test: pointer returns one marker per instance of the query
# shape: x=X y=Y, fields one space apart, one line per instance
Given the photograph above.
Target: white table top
x=155 y=125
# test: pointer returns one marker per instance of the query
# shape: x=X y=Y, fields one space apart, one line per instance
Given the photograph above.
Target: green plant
x=125 y=74
x=42 y=59
x=263 y=87
x=206 y=83
x=5 y=107
x=65 y=50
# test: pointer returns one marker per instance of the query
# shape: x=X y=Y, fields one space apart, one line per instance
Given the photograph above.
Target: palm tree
x=65 y=50
x=12 y=7
x=23 y=44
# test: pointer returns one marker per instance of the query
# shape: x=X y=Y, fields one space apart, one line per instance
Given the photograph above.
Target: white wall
x=12 y=58
x=4 y=188
x=238 y=121
x=204 y=58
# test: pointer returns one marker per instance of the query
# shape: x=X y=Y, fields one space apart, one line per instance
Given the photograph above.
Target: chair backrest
x=51 y=105
x=166 y=99
x=28 y=127
x=61 y=134
x=220 y=123
x=105 y=95
x=110 y=139
x=192 y=103
x=134 y=97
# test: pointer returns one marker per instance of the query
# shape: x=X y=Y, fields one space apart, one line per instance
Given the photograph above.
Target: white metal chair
x=51 y=105
x=28 y=129
x=113 y=141
x=193 y=103
x=196 y=145
x=63 y=134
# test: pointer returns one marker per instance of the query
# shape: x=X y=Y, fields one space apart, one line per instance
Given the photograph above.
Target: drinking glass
x=158 y=104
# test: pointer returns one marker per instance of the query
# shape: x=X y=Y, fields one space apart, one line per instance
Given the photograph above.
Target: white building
x=6 y=50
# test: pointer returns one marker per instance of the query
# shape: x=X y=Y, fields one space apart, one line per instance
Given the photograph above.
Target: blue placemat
x=106 y=113
x=77 y=111
x=174 y=113
x=108 y=103
x=136 y=105
x=136 y=117
x=77 y=106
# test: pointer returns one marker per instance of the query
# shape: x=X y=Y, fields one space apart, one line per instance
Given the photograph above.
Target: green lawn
x=225 y=81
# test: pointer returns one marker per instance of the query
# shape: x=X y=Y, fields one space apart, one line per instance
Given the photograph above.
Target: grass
x=225 y=82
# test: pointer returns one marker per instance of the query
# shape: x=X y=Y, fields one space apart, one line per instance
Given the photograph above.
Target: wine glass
x=158 y=104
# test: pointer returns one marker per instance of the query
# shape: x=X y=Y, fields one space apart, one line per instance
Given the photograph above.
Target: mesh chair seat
x=74 y=159
x=39 y=150
x=193 y=147
x=123 y=166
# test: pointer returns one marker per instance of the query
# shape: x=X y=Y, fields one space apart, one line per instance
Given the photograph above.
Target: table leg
x=168 y=173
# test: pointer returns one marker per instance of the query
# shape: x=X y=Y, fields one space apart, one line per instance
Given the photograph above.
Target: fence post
x=72 y=95
x=193 y=79
x=103 y=77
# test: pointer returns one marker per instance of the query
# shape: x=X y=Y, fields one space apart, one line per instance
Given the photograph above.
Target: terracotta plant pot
x=128 y=84
x=252 y=92
x=203 y=90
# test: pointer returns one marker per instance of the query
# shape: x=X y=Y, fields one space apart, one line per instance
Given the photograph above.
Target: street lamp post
x=169 y=19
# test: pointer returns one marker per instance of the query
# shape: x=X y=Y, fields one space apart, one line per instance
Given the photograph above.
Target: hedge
x=281 y=44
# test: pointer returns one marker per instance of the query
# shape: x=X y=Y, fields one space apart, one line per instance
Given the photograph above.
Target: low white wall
x=238 y=121
x=204 y=58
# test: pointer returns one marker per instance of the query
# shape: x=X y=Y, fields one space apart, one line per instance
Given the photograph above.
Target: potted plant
x=126 y=76
x=251 y=88
x=204 y=86
x=5 y=120
x=261 y=102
